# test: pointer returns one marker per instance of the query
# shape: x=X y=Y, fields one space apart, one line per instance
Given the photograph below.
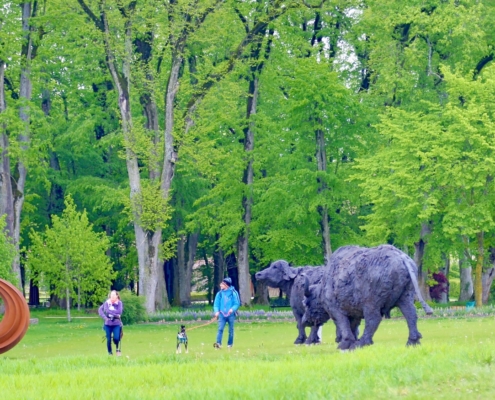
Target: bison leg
x=344 y=333
x=355 y=322
x=372 y=321
x=338 y=334
x=313 y=335
x=409 y=311
x=302 y=333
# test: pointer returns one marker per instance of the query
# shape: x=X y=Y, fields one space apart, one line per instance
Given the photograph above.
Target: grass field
x=58 y=360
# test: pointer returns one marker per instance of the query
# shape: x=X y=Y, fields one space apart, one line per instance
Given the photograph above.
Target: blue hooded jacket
x=225 y=300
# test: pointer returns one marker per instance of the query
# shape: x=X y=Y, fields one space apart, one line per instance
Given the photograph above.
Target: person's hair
x=116 y=293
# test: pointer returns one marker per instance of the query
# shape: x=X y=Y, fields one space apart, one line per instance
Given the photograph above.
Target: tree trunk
x=192 y=247
x=150 y=111
x=6 y=196
x=488 y=276
x=209 y=277
x=466 y=278
x=34 y=294
x=16 y=195
x=181 y=260
x=261 y=293
x=446 y=271
x=67 y=303
x=257 y=60
x=79 y=297
x=321 y=157
x=487 y=279
x=170 y=156
x=147 y=243
x=161 y=295
x=247 y=200
x=478 y=275
x=185 y=267
x=175 y=283
x=419 y=250
x=218 y=269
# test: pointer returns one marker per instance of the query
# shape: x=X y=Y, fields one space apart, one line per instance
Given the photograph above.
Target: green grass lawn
x=57 y=359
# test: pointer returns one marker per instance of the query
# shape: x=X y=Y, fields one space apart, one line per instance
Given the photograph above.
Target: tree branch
x=98 y=22
x=310 y=6
x=243 y=20
x=215 y=77
x=481 y=64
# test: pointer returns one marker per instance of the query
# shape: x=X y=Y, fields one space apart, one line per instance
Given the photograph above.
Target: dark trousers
x=115 y=332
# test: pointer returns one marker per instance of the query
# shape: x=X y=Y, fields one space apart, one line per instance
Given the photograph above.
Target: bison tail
x=410 y=265
x=426 y=307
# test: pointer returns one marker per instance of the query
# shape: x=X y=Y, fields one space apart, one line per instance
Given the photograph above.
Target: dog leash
x=200 y=326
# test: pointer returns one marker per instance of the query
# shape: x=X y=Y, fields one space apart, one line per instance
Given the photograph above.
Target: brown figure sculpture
x=15 y=322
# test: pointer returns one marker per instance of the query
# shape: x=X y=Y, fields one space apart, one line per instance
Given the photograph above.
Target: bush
x=134 y=310
x=454 y=289
x=437 y=290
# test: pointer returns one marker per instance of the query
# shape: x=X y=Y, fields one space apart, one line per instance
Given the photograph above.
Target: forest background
x=240 y=132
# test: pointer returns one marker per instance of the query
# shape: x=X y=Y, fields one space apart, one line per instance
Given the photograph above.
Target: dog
x=181 y=339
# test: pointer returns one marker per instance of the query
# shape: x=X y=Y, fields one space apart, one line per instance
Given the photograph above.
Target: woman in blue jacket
x=226 y=303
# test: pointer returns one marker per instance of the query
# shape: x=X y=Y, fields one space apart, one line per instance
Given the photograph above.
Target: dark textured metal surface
x=15 y=322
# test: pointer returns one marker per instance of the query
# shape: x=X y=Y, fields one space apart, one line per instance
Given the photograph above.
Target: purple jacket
x=108 y=310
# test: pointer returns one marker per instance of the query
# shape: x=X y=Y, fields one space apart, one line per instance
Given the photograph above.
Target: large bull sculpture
x=365 y=283
x=292 y=280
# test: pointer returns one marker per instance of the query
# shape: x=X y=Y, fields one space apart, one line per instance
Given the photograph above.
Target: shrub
x=454 y=289
x=440 y=287
x=134 y=310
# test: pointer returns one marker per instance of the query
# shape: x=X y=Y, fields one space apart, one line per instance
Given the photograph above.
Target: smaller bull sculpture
x=364 y=283
x=315 y=314
x=292 y=280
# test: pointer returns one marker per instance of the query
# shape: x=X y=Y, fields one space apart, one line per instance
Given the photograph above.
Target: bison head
x=314 y=313
x=277 y=274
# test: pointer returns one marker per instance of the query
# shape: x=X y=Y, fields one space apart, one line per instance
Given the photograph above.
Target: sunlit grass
x=61 y=360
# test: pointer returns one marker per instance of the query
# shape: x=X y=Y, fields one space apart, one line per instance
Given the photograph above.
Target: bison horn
x=306 y=286
x=15 y=322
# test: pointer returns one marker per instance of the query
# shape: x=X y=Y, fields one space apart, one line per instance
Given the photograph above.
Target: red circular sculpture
x=15 y=322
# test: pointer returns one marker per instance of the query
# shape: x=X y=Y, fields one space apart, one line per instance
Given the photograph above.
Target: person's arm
x=119 y=310
x=216 y=304
x=101 y=311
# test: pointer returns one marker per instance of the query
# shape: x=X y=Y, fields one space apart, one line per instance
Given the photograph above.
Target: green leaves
x=71 y=258
x=7 y=254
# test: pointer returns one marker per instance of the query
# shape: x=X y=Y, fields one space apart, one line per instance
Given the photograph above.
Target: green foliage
x=454 y=288
x=405 y=89
x=70 y=258
x=134 y=310
x=151 y=207
x=7 y=254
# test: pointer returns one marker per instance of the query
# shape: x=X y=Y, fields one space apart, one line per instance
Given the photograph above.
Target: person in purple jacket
x=111 y=311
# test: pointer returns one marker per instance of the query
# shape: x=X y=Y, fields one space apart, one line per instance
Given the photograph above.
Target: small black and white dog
x=181 y=339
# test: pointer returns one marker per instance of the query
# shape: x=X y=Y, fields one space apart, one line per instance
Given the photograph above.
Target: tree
x=71 y=258
x=408 y=49
x=15 y=134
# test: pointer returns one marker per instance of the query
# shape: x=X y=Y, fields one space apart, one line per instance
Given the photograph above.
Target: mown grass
x=61 y=360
